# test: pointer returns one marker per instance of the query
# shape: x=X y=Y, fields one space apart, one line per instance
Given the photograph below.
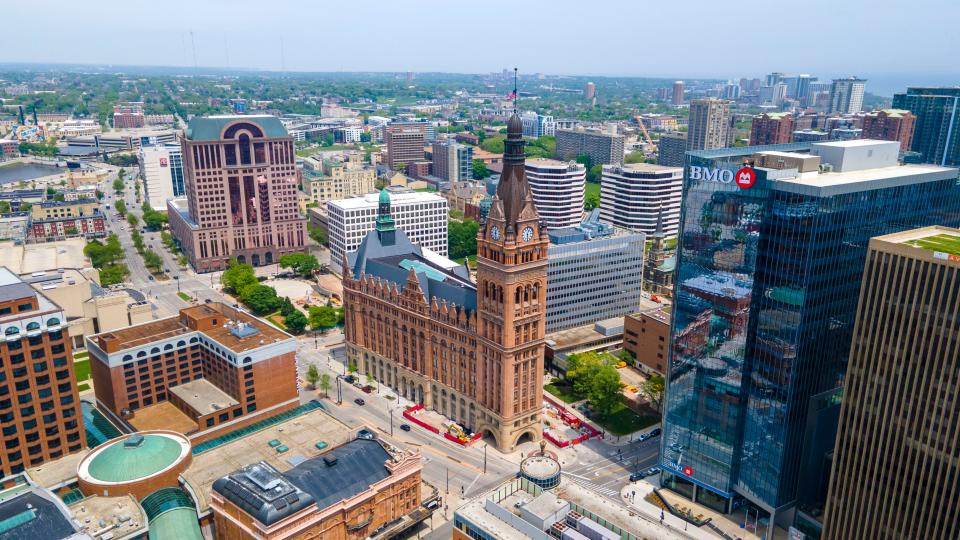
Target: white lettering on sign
x=711 y=174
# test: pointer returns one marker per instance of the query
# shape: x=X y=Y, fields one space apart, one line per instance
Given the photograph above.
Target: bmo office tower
x=766 y=292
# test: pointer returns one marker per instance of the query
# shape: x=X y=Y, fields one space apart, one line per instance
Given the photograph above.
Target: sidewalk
x=633 y=496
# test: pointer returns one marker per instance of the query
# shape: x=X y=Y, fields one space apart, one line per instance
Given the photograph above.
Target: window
x=53 y=321
x=33 y=326
x=11 y=330
x=26 y=307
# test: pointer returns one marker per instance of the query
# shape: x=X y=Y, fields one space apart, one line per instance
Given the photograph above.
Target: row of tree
x=106 y=257
x=595 y=376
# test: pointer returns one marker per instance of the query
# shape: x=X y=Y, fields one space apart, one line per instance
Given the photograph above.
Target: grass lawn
x=82 y=387
x=623 y=420
x=276 y=319
x=471 y=258
x=185 y=297
x=562 y=391
x=946 y=243
x=81 y=368
x=81 y=355
x=591 y=188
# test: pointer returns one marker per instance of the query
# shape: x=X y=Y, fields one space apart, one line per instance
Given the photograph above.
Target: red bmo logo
x=745 y=177
x=688 y=471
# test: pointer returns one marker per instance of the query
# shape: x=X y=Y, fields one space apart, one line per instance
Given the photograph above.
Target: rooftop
x=223 y=329
x=211 y=128
x=123 y=513
x=163 y=415
x=397 y=198
x=28 y=512
x=134 y=457
x=49 y=256
x=300 y=435
x=203 y=397
x=268 y=495
x=937 y=239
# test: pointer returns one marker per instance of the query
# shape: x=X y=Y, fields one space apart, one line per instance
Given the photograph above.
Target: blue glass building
x=766 y=291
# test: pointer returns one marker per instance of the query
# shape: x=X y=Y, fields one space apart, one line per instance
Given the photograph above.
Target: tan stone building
x=894 y=468
x=646 y=336
x=461 y=194
x=471 y=351
x=337 y=179
x=349 y=492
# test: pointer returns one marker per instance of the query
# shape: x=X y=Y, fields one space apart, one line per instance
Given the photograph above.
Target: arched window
x=194 y=340
x=181 y=343
x=244 y=142
x=231 y=132
x=155 y=350
x=12 y=330
x=141 y=354
x=167 y=347
x=33 y=326
x=127 y=357
x=53 y=321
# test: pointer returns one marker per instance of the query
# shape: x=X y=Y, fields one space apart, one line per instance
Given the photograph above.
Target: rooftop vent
x=262 y=477
x=330 y=461
x=133 y=441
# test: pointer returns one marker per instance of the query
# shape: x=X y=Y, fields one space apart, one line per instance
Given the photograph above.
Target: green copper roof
x=419 y=267
x=210 y=128
x=118 y=463
x=384 y=196
x=177 y=524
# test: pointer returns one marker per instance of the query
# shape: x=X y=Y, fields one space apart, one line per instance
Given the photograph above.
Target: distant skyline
x=693 y=39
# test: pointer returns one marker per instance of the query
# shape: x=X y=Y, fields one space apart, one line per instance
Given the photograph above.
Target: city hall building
x=771 y=252
x=418 y=323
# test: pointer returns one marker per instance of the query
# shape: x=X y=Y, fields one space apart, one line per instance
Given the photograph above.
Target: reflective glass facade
x=765 y=297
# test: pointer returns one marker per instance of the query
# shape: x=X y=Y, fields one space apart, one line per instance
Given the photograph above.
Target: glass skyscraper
x=768 y=277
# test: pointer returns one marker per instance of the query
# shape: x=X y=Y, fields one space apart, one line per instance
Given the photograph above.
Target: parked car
x=349 y=379
x=367 y=389
x=649 y=435
x=405 y=427
x=366 y=434
x=359 y=401
x=644 y=473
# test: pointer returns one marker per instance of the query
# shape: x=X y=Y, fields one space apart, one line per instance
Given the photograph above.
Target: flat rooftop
x=936 y=239
x=299 y=435
x=163 y=415
x=371 y=200
x=259 y=334
x=126 y=516
x=203 y=397
x=866 y=179
x=30 y=258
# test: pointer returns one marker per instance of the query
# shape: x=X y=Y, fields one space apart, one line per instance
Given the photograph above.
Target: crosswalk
x=608 y=492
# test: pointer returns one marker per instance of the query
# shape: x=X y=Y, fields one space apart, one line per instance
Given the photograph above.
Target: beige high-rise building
x=709 y=124
x=895 y=469
x=404 y=143
x=334 y=179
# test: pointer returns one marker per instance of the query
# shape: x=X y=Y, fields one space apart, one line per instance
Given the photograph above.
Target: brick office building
x=404 y=143
x=356 y=490
x=240 y=178
x=471 y=351
x=210 y=368
x=771 y=128
x=39 y=406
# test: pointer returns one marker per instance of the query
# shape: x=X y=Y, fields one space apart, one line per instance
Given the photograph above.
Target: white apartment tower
x=633 y=195
x=422 y=216
x=557 y=188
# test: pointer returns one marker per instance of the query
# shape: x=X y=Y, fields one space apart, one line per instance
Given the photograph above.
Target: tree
x=104 y=254
x=480 y=170
x=262 y=299
x=652 y=389
x=295 y=322
x=4 y=207
x=635 y=157
x=493 y=145
x=370 y=379
x=113 y=274
x=313 y=375
x=352 y=367
x=325 y=384
x=323 y=317
x=132 y=219
x=462 y=238
x=152 y=260
x=318 y=235
x=59 y=196
x=120 y=206
x=605 y=389
x=237 y=276
x=585 y=160
x=591 y=201
x=302 y=263
x=118 y=184
x=286 y=307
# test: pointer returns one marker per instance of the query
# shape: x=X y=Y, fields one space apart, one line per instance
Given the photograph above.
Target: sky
x=893 y=42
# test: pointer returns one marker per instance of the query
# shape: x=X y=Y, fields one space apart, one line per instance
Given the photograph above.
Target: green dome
x=123 y=463
x=384 y=196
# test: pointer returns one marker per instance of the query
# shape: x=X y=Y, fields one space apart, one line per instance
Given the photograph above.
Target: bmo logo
x=744 y=177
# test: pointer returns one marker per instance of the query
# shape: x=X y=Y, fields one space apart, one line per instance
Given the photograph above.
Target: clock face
x=527 y=234
x=495 y=233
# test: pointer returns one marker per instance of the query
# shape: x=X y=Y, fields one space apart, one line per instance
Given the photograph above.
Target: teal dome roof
x=384 y=196
x=121 y=462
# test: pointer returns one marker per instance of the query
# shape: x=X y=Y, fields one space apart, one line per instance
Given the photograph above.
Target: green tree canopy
x=120 y=206
x=151 y=259
x=323 y=317
x=591 y=201
x=313 y=375
x=262 y=299
x=118 y=185
x=302 y=263
x=480 y=170
x=462 y=238
x=132 y=219
x=237 y=276
x=113 y=274
x=296 y=322
x=104 y=254
x=318 y=235
x=653 y=389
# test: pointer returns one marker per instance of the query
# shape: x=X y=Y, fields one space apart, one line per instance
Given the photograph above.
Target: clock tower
x=512 y=300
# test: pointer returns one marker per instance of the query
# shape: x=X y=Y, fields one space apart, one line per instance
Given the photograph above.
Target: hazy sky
x=913 y=40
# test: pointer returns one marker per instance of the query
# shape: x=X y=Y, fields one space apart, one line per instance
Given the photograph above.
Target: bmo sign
x=744 y=177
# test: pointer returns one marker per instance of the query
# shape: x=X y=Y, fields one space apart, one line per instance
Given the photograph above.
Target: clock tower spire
x=512 y=300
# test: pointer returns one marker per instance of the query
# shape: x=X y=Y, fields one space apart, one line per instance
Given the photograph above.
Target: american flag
x=511 y=96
